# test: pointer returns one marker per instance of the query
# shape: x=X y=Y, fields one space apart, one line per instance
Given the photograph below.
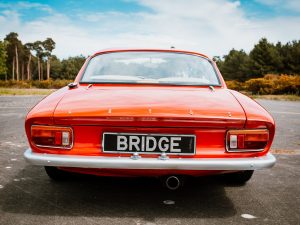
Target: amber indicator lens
x=243 y=140
x=51 y=136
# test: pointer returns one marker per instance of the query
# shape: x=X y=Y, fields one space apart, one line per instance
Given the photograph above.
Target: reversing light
x=246 y=140
x=233 y=141
x=65 y=138
x=52 y=136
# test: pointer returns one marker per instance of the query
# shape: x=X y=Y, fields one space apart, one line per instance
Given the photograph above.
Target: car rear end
x=146 y=129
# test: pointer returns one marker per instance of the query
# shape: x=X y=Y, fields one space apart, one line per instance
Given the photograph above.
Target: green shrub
x=269 y=84
x=44 y=84
x=15 y=84
x=60 y=83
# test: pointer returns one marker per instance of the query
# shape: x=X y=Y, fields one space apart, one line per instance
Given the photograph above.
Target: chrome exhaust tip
x=173 y=183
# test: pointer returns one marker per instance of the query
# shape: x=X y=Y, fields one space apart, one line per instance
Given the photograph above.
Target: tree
x=71 y=66
x=48 y=46
x=235 y=65
x=290 y=56
x=56 y=68
x=264 y=58
x=295 y=57
x=3 y=58
x=29 y=47
x=218 y=61
x=17 y=62
x=12 y=49
x=37 y=47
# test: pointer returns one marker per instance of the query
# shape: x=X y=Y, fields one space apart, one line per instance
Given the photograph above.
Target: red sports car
x=150 y=112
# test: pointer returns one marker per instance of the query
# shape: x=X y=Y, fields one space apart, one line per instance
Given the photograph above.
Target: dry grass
x=285 y=152
x=25 y=91
x=278 y=97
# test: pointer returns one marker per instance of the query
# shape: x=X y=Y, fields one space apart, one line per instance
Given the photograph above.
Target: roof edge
x=111 y=50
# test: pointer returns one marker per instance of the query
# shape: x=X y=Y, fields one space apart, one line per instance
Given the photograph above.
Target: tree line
x=264 y=58
x=34 y=60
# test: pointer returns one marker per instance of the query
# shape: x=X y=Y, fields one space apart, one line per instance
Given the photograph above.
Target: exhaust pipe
x=173 y=182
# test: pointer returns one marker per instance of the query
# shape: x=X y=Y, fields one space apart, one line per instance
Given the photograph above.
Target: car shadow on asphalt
x=32 y=192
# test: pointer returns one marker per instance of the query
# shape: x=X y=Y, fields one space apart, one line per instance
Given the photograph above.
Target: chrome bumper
x=42 y=159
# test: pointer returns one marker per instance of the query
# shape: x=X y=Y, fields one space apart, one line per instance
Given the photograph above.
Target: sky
x=212 y=27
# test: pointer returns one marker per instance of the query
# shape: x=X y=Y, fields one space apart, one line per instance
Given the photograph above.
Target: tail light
x=246 y=140
x=52 y=137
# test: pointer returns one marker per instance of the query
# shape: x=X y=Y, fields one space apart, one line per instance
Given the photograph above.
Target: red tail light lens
x=52 y=137
x=246 y=140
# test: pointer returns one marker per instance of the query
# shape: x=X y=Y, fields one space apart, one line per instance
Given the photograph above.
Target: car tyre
x=56 y=174
x=239 y=178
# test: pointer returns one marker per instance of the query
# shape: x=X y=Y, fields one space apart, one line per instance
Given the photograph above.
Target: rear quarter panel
x=257 y=116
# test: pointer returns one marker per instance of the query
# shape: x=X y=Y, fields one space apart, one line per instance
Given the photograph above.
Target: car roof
x=111 y=50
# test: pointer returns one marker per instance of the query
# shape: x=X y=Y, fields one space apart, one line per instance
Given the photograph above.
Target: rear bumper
x=101 y=162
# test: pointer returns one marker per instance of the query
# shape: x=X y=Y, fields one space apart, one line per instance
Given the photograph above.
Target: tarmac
x=28 y=196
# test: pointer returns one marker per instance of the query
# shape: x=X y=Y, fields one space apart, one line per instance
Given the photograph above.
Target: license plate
x=148 y=143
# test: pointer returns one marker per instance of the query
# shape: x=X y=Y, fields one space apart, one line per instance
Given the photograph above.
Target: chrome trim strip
x=43 y=159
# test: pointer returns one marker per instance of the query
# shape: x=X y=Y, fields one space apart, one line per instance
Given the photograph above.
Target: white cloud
x=212 y=27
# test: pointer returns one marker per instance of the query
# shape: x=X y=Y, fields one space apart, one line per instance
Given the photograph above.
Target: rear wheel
x=56 y=174
x=239 y=177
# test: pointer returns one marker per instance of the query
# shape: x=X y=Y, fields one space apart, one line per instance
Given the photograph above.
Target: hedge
x=45 y=84
x=269 y=84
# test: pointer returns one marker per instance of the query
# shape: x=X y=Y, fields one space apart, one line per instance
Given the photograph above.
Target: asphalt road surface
x=28 y=196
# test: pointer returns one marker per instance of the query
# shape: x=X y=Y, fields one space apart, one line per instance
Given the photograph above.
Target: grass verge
x=277 y=97
x=285 y=152
x=25 y=91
